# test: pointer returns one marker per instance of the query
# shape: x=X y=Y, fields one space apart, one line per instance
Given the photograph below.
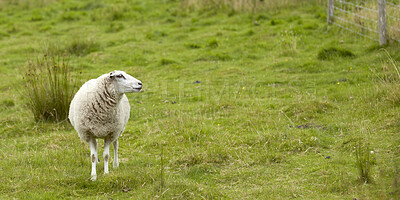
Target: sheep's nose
x=140 y=85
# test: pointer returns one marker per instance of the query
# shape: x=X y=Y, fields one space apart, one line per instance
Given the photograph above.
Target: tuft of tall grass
x=333 y=52
x=111 y=12
x=81 y=47
x=389 y=79
x=288 y=42
x=49 y=87
x=364 y=161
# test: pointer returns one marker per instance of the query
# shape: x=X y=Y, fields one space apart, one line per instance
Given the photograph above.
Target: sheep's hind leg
x=115 y=144
x=106 y=154
x=98 y=159
x=93 y=154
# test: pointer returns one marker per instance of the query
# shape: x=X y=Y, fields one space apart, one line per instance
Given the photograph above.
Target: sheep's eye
x=120 y=76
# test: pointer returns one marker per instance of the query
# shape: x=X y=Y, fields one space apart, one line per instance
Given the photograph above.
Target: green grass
x=234 y=106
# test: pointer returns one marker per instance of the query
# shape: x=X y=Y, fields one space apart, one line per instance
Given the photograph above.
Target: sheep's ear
x=112 y=75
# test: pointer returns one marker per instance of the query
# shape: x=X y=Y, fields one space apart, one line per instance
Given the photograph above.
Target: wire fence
x=377 y=20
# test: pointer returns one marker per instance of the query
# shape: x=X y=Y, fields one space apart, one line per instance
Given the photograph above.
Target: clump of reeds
x=49 y=87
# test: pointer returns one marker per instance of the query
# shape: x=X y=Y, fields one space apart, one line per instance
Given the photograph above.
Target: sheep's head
x=125 y=83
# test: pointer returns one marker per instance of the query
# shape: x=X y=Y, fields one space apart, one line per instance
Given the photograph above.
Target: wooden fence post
x=331 y=9
x=382 y=22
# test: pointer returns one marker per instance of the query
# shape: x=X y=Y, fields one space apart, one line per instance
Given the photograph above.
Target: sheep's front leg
x=106 y=154
x=115 y=144
x=93 y=154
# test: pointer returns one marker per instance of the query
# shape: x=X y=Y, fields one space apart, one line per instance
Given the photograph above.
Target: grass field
x=269 y=104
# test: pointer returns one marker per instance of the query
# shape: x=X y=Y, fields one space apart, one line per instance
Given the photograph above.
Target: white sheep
x=100 y=109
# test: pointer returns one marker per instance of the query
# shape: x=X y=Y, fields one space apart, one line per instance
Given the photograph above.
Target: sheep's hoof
x=93 y=178
x=115 y=165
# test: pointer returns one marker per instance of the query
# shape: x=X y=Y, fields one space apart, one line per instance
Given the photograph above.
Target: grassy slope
x=233 y=135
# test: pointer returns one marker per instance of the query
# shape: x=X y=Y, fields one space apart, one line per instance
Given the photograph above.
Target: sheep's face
x=125 y=83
